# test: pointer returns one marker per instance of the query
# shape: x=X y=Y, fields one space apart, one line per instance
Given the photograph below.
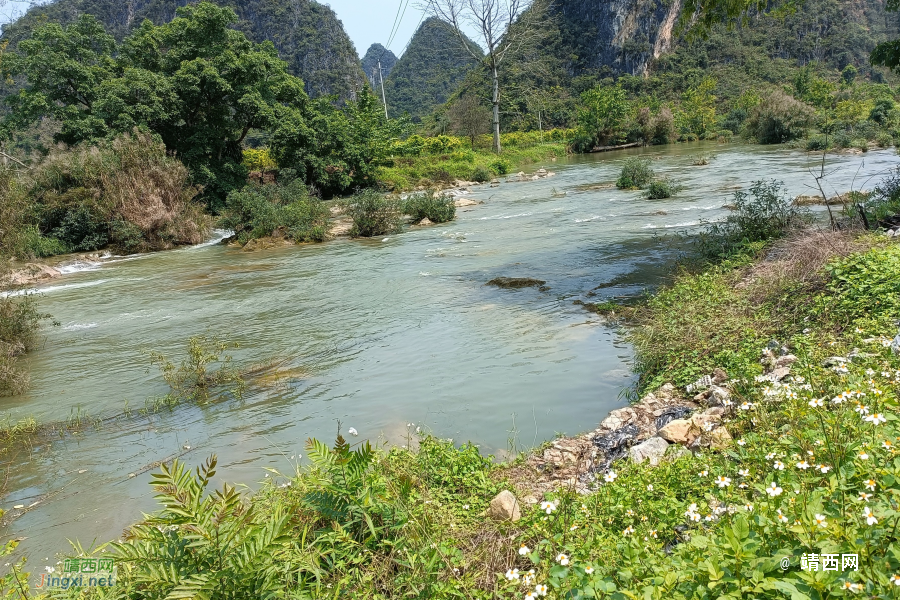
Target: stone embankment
x=663 y=426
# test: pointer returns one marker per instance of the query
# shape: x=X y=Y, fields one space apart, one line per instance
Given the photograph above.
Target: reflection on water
x=375 y=334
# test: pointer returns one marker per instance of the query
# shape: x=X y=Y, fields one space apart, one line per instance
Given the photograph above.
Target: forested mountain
x=308 y=35
x=375 y=54
x=434 y=64
x=638 y=44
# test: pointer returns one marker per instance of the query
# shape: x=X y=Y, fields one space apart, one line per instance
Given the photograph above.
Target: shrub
x=860 y=144
x=767 y=212
x=193 y=380
x=373 y=214
x=884 y=140
x=20 y=322
x=283 y=209
x=778 y=118
x=259 y=159
x=734 y=120
x=500 y=166
x=724 y=135
x=884 y=201
x=662 y=188
x=435 y=206
x=842 y=140
x=78 y=193
x=636 y=174
x=663 y=127
x=817 y=143
x=481 y=174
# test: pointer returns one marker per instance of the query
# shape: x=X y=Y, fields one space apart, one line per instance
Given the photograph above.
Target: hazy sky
x=366 y=21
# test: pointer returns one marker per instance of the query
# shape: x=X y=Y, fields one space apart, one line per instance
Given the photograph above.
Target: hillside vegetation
x=308 y=35
x=429 y=71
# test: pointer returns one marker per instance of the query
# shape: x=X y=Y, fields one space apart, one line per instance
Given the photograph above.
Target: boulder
x=719 y=376
x=652 y=450
x=718 y=395
x=426 y=221
x=780 y=373
x=460 y=202
x=505 y=507
x=679 y=431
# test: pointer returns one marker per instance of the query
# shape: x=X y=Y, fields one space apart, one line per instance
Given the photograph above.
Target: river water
x=376 y=334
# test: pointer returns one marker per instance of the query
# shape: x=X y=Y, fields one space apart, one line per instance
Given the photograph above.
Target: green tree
x=698 y=108
x=336 y=150
x=199 y=84
x=602 y=115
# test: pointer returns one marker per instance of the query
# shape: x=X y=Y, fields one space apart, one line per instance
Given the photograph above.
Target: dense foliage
x=126 y=193
x=308 y=35
x=373 y=214
x=434 y=206
x=284 y=209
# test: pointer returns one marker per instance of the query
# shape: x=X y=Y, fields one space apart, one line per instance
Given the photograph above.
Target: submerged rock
x=515 y=282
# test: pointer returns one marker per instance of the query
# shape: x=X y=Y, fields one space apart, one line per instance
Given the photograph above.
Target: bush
x=779 y=118
x=884 y=201
x=860 y=144
x=724 y=135
x=79 y=198
x=284 y=210
x=259 y=159
x=662 y=188
x=20 y=322
x=767 y=212
x=842 y=140
x=734 y=120
x=817 y=143
x=436 y=207
x=373 y=214
x=636 y=174
x=884 y=140
x=663 y=126
x=481 y=174
x=500 y=166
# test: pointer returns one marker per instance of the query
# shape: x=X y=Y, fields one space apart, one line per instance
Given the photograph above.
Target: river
x=376 y=334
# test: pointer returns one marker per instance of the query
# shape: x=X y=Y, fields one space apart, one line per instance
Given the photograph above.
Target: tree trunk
x=496 y=103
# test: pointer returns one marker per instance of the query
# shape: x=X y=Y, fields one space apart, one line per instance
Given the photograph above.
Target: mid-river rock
x=460 y=202
x=32 y=273
x=652 y=450
x=505 y=507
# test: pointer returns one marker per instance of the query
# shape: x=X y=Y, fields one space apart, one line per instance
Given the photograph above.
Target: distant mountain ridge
x=432 y=67
x=375 y=54
x=308 y=35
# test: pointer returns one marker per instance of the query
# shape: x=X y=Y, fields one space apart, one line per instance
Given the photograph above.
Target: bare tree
x=503 y=26
x=469 y=118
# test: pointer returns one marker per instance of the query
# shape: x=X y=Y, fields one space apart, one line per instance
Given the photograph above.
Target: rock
x=805 y=200
x=542 y=172
x=652 y=450
x=460 y=202
x=679 y=431
x=715 y=411
x=495 y=182
x=31 y=274
x=786 y=360
x=505 y=507
x=618 y=419
x=340 y=227
x=780 y=373
x=515 y=282
x=426 y=221
x=719 y=438
x=718 y=395
x=719 y=376
x=266 y=243
x=674 y=452
x=666 y=392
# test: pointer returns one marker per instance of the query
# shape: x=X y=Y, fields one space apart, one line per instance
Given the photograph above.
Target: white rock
x=651 y=450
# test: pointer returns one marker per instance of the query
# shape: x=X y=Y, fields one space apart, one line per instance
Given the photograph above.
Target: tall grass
x=126 y=193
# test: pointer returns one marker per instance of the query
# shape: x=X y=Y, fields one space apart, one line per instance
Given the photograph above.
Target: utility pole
x=383 y=100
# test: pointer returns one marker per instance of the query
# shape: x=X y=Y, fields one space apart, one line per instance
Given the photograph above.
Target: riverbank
x=783 y=446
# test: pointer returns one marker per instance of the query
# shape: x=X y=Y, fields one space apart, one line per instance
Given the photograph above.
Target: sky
x=365 y=21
